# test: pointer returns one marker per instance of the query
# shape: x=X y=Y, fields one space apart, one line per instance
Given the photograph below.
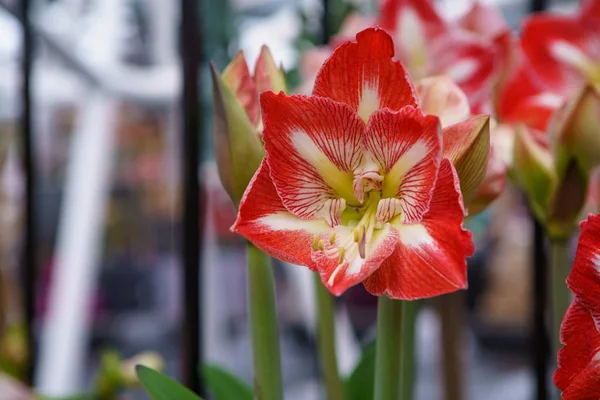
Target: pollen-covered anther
x=315 y=243
x=332 y=237
x=341 y=255
x=321 y=245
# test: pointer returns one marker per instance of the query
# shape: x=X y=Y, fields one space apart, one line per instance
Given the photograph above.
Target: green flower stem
x=559 y=262
x=451 y=310
x=263 y=327
x=387 y=362
x=326 y=341
x=407 y=356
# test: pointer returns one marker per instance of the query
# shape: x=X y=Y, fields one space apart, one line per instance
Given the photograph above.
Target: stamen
x=332 y=237
x=341 y=256
x=321 y=245
x=362 y=245
x=356 y=233
x=315 y=243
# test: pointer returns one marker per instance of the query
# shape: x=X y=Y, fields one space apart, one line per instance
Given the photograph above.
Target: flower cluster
x=550 y=113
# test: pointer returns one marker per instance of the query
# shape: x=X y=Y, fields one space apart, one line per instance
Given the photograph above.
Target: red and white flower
x=564 y=51
x=428 y=45
x=354 y=185
x=578 y=373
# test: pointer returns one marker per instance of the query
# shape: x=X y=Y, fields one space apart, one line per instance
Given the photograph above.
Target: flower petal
x=264 y=221
x=440 y=96
x=468 y=60
x=406 y=146
x=524 y=100
x=354 y=267
x=492 y=186
x=313 y=147
x=590 y=11
x=396 y=12
x=485 y=20
x=430 y=258
x=266 y=73
x=561 y=50
x=467 y=145
x=238 y=79
x=578 y=373
x=584 y=279
x=414 y=24
x=363 y=75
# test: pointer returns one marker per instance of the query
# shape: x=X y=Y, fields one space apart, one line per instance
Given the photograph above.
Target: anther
x=315 y=243
x=341 y=256
x=362 y=245
x=332 y=237
x=321 y=245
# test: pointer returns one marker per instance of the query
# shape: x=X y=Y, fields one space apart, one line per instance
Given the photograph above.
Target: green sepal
x=238 y=148
x=533 y=170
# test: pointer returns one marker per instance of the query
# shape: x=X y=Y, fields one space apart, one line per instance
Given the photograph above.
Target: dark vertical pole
x=28 y=257
x=190 y=159
x=326 y=21
x=539 y=333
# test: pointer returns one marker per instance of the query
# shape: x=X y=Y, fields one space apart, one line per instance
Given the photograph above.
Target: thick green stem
x=387 y=362
x=408 y=365
x=326 y=341
x=263 y=327
x=561 y=299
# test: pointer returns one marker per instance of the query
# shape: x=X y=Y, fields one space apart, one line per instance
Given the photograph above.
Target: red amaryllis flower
x=353 y=184
x=428 y=45
x=564 y=51
x=578 y=373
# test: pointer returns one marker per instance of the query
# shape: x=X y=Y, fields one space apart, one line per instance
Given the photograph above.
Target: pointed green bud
x=567 y=202
x=237 y=146
x=533 y=170
x=575 y=131
x=467 y=145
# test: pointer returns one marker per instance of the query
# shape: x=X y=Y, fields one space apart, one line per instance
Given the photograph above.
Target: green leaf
x=360 y=385
x=224 y=385
x=161 y=387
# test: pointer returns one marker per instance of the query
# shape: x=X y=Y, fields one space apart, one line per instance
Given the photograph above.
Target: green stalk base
x=387 y=362
x=263 y=326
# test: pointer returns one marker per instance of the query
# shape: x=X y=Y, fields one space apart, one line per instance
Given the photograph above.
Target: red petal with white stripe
x=363 y=75
x=584 y=279
x=485 y=20
x=313 y=147
x=406 y=145
x=578 y=373
x=394 y=12
x=562 y=50
x=470 y=61
x=430 y=257
x=340 y=273
x=264 y=221
x=524 y=100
